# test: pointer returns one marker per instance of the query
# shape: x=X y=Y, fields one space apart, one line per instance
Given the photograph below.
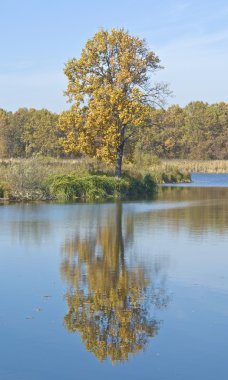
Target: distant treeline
x=197 y=131
x=29 y=131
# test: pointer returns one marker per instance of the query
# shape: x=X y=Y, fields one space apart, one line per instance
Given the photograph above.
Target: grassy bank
x=41 y=178
x=208 y=166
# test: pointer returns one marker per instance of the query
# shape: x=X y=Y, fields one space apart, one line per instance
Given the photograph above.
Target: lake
x=132 y=290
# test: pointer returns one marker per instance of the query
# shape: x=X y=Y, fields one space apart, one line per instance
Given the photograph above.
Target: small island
x=117 y=140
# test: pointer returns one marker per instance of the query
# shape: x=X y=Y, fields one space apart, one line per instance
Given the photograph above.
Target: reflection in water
x=206 y=210
x=26 y=223
x=110 y=304
x=33 y=232
x=118 y=267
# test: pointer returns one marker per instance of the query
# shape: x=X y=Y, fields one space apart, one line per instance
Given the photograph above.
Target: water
x=137 y=290
x=206 y=180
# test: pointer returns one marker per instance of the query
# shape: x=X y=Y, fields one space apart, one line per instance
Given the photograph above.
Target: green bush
x=139 y=188
x=70 y=187
x=4 y=190
x=88 y=187
x=174 y=176
x=149 y=184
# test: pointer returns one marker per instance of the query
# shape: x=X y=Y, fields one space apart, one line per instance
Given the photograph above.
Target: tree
x=41 y=134
x=112 y=93
x=4 y=125
x=11 y=131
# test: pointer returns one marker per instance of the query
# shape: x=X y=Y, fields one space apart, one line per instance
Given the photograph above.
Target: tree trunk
x=119 y=160
x=119 y=156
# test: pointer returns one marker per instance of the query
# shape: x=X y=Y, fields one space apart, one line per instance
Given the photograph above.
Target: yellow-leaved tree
x=112 y=94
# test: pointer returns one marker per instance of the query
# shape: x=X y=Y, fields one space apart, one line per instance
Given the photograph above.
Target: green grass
x=89 y=187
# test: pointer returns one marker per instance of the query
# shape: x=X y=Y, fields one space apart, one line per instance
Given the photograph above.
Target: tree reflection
x=110 y=304
x=203 y=210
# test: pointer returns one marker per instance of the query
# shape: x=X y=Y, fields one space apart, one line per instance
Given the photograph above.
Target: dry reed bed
x=207 y=166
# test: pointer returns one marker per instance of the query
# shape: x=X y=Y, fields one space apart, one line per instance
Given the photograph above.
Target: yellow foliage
x=110 y=87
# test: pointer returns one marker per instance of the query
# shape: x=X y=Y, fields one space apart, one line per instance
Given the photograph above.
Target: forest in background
x=196 y=131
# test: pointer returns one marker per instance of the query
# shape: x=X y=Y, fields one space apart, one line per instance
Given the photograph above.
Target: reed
x=198 y=166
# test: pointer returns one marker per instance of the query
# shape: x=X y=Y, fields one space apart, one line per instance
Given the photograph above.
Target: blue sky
x=38 y=37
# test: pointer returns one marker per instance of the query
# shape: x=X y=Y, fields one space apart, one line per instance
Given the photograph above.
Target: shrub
x=70 y=187
x=144 y=187
x=4 y=190
x=88 y=187
x=27 y=179
x=173 y=175
x=149 y=184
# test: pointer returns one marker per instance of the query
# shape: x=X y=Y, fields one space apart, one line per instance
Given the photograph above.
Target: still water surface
x=136 y=290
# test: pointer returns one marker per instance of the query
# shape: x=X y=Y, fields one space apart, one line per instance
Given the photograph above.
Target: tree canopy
x=197 y=131
x=110 y=85
x=29 y=131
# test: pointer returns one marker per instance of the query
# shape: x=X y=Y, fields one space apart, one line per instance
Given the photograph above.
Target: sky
x=39 y=36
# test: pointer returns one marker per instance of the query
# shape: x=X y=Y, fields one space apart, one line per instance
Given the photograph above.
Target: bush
x=4 y=190
x=174 y=176
x=27 y=179
x=144 y=187
x=88 y=187
x=70 y=187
